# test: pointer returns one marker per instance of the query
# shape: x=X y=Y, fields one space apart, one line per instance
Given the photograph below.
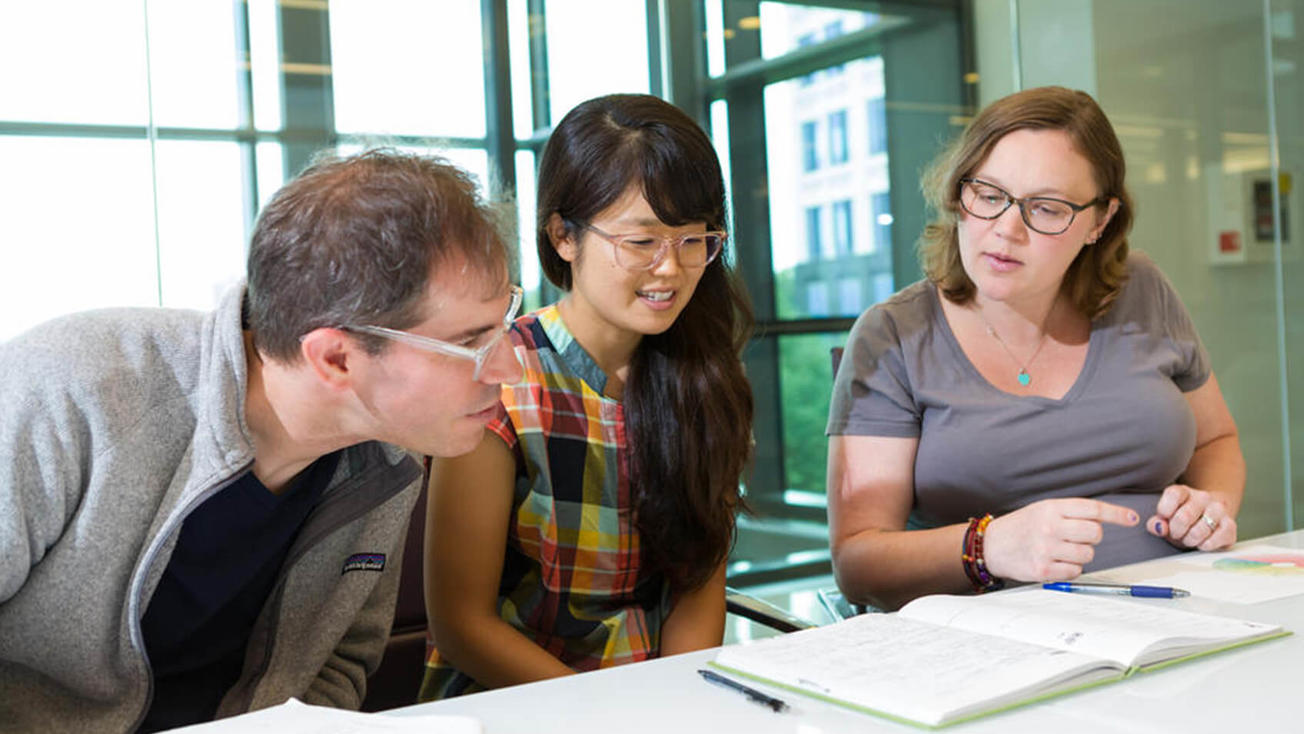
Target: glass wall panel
x=1286 y=44
x=1185 y=83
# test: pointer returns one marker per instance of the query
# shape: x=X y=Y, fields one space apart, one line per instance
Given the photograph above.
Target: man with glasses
x=203 y=514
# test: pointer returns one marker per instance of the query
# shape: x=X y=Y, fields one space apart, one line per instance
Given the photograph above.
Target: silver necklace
x=1023 y=377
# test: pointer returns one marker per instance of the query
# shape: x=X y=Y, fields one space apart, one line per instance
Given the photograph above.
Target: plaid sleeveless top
x=572 y=578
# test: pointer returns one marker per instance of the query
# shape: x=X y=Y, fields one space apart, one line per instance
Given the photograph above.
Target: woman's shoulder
x=906 y=311
x=1146 y=289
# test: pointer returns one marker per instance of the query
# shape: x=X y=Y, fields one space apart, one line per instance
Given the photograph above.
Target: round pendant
x=1024 y=378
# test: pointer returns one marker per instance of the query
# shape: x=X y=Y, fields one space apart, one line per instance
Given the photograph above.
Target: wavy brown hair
x=1096 y=275
x=688 y=404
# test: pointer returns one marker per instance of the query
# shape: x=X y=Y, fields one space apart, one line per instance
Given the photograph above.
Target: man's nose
x=502 y=366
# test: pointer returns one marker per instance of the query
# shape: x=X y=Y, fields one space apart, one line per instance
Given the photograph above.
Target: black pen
x=777 y=705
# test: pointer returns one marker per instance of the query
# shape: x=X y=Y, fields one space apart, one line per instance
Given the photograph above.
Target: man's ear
x=328 y=354
x=560 y=237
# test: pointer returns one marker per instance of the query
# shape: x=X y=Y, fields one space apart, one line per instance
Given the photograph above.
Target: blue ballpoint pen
x=1153 y=592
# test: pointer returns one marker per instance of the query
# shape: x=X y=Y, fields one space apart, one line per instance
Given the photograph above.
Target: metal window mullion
x=500 y=142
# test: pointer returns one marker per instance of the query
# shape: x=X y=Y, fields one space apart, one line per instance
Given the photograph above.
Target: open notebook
x=943 y=659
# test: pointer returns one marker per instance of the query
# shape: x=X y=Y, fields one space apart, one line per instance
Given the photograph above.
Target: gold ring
x=1212 y=523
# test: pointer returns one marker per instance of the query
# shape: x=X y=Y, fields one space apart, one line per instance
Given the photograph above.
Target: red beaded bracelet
x=971 y=555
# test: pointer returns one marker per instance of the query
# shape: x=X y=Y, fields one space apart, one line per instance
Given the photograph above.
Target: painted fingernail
x=1159 y=527
x=1131 y=517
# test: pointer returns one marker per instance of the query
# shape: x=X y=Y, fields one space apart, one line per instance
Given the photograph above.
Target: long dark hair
x=688 y=404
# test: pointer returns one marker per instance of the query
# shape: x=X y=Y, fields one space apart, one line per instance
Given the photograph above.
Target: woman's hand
x=1050 y=540
x=1192 y=518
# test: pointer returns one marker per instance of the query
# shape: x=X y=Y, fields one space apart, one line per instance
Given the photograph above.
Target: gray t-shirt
x=1121 y=434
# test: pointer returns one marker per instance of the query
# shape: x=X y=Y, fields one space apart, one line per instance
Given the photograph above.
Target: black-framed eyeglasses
x=646 y=251
x=1043 y=214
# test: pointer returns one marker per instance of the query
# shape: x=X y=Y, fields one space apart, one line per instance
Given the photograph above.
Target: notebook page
x=1122 y=631
x=905 y=668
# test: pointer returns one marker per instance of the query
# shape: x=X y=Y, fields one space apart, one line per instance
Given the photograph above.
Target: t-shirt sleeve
x=1192 y=368
x=871 y=392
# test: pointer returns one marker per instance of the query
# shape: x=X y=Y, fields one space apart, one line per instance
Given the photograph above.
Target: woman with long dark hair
x=590 y=527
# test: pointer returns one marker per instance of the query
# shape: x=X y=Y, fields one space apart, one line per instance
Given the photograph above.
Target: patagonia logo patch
x=364 y=562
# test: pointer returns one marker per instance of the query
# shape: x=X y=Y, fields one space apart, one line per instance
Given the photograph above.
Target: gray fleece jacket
x=116 y=424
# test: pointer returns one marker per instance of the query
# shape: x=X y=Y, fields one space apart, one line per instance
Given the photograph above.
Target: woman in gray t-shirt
x=1016 y=414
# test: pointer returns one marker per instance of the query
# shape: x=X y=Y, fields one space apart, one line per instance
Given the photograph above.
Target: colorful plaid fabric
x=571 y=578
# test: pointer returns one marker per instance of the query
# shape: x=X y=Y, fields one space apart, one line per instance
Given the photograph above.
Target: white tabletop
x=1258 y=688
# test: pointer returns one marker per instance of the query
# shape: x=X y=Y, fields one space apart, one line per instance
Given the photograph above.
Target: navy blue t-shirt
x=222 y=570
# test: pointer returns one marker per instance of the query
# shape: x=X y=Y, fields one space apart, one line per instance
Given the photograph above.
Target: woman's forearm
x=887 y=568
x=494 y=653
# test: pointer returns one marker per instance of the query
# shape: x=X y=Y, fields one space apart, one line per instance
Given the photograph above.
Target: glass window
x=73 y=66
x=806 y=39
x=806 y=382
x=850 y=298
x=833 y=30
x=401 y=67
x=842 y=227
x=881 y=214
x=785 y=27
x=798 y=192
x=199 y=182
x=265 y=63
x=583 y=63
x=876 y=121
x=526 y=201
x=838 y=137
x=194 y=65
x=520 y=24
x=814 y=245
x=810 y=159
x=82 y=241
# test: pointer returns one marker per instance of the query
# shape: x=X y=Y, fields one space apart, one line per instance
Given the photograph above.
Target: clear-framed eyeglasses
x=488 y=341
x=645 y=251
x=1043 y=214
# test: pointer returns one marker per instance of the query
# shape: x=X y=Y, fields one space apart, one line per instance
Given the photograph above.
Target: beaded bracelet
x=975 y=565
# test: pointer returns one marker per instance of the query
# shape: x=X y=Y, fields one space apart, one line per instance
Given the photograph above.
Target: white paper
x=296 y=717
x=905 y=668
x=1244 y=576
x=1126 y=632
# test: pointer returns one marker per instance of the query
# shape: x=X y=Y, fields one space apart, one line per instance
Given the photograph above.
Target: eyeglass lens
x=1047 y=216
x=638 y=251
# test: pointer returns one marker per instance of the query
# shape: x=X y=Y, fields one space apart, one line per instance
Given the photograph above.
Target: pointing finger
x=1101 y=511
